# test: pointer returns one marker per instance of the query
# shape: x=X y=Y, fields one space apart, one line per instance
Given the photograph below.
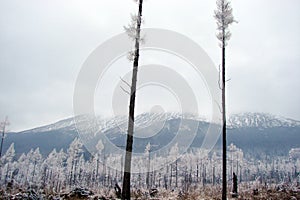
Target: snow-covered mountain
x=260 y=120
x=249 y=131
x=104 y=124
x=68 y=123
x=242 y=120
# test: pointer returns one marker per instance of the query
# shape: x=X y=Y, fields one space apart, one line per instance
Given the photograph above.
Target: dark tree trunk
x=127 y=168
x=204 y=176
x=170 y=184
x=148 y=172
x=71 y=173
x=235 y=184
x=224 y=186
x=176 y=175
x=97 y=170
x=197 y=174
x=166 y=182
x=2 y=139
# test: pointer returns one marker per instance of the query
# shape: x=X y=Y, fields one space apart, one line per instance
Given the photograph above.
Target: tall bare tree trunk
x=224 y=187
x=224 y=18
x=127 y=167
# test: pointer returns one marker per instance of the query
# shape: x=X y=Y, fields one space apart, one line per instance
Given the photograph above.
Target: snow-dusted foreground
x=280 y=191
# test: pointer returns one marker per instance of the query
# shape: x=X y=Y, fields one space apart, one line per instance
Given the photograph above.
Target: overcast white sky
x=43 y=45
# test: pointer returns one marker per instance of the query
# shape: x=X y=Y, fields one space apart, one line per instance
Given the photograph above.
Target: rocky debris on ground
x=80 y=193
x=280 y=191
x=30 y=194
x=153 y=192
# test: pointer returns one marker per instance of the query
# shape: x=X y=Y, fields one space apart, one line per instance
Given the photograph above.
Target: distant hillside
x=255 y=133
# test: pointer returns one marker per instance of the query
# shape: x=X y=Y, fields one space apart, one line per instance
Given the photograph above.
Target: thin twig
x=219 y=106
x=125 y=82
x=125 y=90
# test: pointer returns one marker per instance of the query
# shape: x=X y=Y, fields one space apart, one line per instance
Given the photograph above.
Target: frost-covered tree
x=35 y=158
x=53 y=174
x=224 y=17
x=80 y=169
x=134 y=31
x=49 y=169
x=53 y=170
x=74 y=152
x=147 y=153
x=8 y=162
x=23 y=167
x=10 y=154
x=232 y=150
x=174 y=152
x=99 y=148
x=294 y=154
x=3 y=127
x=61 y=160
x=214 y=160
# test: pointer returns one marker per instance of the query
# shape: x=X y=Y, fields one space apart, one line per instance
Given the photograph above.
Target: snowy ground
x=280 y=192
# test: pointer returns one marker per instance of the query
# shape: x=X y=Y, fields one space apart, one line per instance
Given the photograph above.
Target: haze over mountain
x=255 y=133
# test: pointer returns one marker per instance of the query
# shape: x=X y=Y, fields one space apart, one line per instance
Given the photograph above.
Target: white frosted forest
x=197 y=172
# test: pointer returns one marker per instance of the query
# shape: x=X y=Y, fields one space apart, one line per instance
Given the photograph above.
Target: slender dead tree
x=3 y=126
x=224 y=17
x=147 y=151
x=134 y=31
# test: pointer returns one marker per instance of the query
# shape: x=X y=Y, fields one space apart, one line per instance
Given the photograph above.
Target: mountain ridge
x=239 y=120
x=254 y=133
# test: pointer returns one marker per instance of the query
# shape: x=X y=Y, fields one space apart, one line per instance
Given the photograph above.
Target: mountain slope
x=255 y=133
x=260 y=120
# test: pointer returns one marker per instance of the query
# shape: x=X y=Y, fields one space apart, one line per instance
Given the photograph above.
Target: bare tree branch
x=219 y=106
x=125 y=90
x=125 y=82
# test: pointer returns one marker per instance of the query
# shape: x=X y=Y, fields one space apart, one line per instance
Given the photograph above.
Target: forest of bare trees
x=62 y=171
